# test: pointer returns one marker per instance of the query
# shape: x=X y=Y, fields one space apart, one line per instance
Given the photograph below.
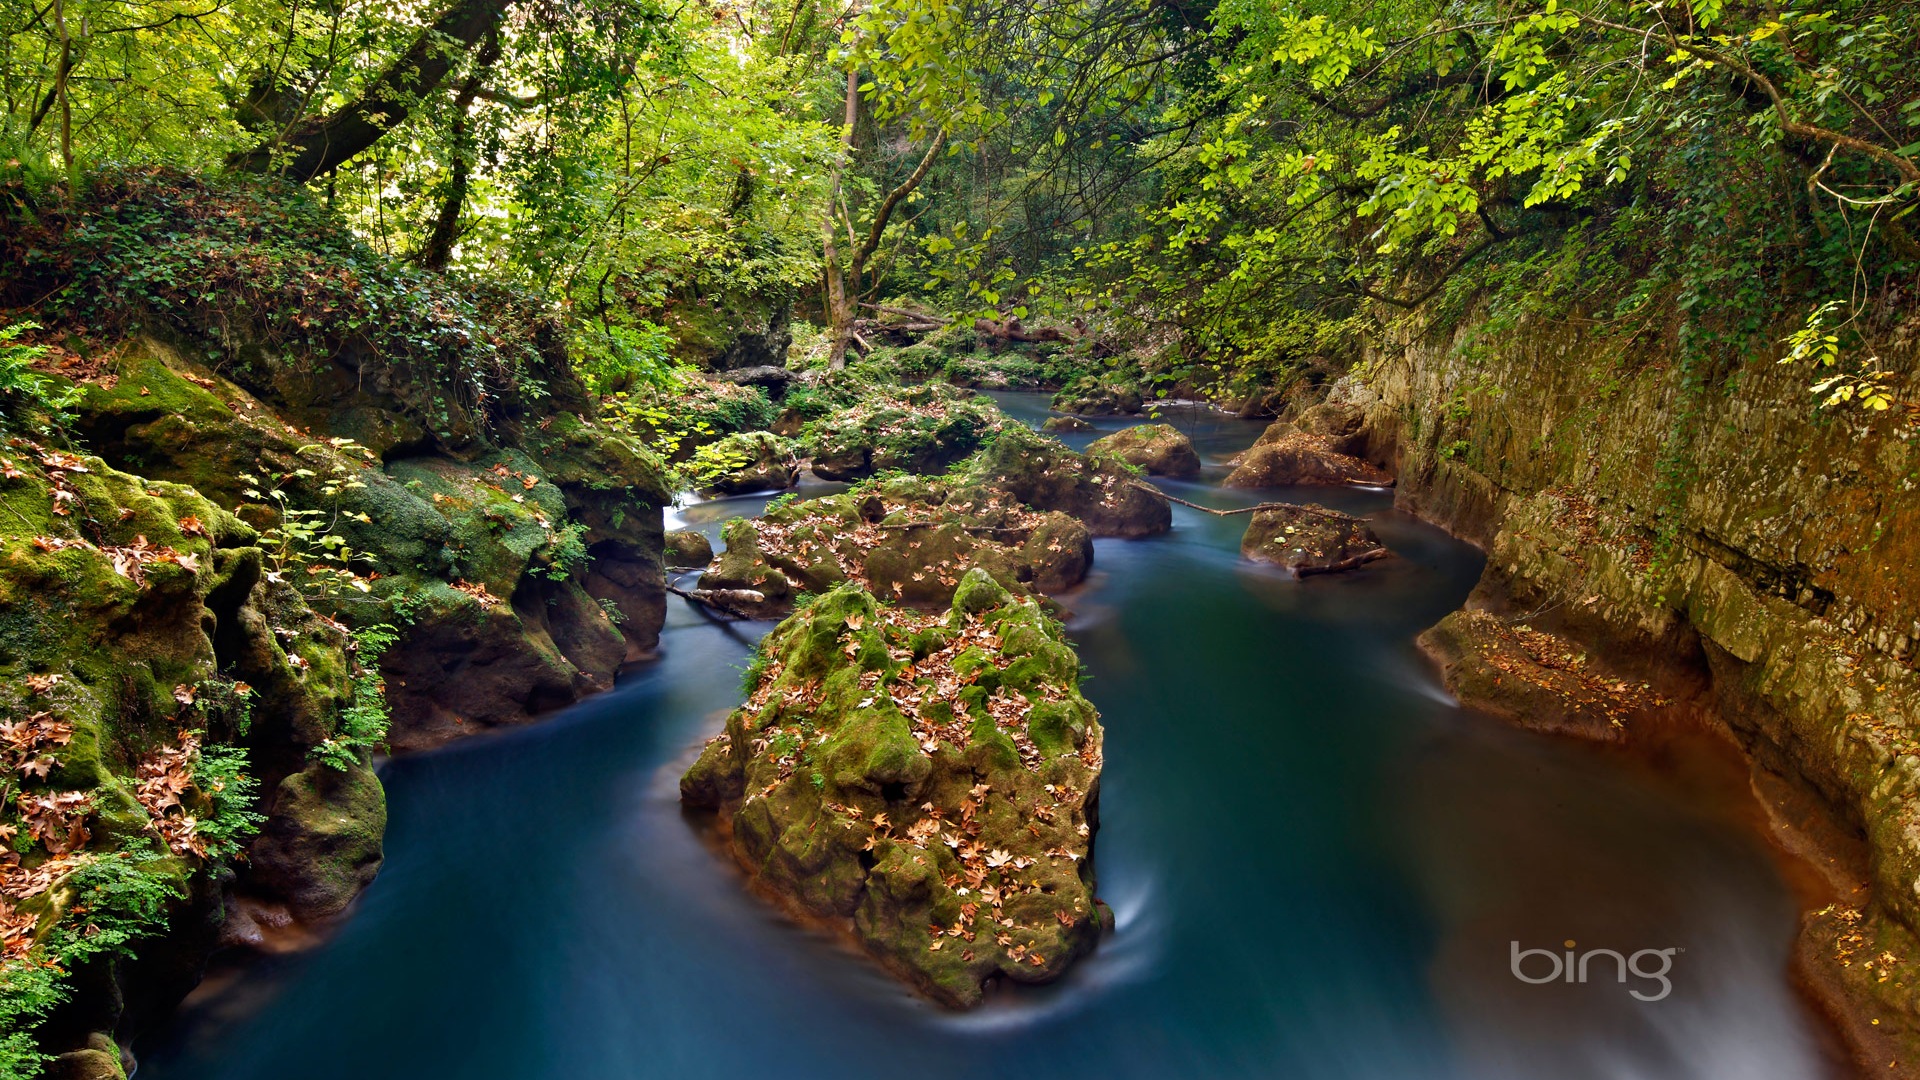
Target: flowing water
x=1319 y=866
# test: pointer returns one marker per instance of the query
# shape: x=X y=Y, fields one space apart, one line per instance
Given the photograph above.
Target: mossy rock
x=1537 y=680
x=132 y=610
x=746 y=462
x=920 y=430
x=1058 y=424
x=322 y=842
x=1300 y=458
x=908 y=539
x=1158 y=449
x=1043 y=473
x=688 y=548
x=1094 y=395
x=1310 y=539
x=863 y=781
x=573 y=507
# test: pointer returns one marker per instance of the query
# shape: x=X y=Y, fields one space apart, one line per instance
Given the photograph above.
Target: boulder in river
x=1159 y=449
x=1301 y=458
x=1044 y=474
x=1535 y=679
x=908 y=539
x=746 y=462
x=927 y=781
x=1310 y=539
x=1094 y=396
x=687 y=548
x=1058 y=424
x=921 y=429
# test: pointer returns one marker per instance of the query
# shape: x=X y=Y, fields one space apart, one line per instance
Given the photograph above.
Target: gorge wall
x=1749 y=554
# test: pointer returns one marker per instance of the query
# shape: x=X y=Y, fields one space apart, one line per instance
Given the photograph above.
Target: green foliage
x=362 y=725
x=565 y=552
x=28 y=992
x=28 y=399
x=263 y=271
x=304 y=545
x=685 y=411
x=220 y=772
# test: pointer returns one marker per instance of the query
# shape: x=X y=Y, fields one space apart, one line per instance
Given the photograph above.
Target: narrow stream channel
x=1319 y=865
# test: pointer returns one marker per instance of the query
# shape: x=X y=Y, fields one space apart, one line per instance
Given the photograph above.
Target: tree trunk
x=437 y=251
x=315 y=147
x=839 y=304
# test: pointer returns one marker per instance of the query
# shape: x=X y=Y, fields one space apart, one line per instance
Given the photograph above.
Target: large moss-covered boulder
x=1156 y=449
x=1094 y=395
x=908 y=539
x=929 y=779
x=1310 y=539
x=746 y=462
x=1300 y=458
x=1044 y=474
x=688 y=548
x=922 y=429
x=321 y=843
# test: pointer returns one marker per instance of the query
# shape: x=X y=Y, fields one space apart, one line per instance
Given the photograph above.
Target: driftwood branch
x=1331 y=515
x=729 y=602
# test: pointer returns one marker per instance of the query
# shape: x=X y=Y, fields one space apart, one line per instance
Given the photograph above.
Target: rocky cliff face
x=1744 y=551
x=523 y=572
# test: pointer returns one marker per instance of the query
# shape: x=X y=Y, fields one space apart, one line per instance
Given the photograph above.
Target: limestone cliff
x=1719 y=536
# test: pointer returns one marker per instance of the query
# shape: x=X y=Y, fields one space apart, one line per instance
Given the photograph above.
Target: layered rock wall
x=1716 y=532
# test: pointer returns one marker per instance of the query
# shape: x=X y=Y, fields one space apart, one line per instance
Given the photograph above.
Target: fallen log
x=728 y=602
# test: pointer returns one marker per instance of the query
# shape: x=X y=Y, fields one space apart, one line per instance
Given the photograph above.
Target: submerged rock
x=746 y=462
x=1160 y=449
x=1534 y=679
x=1094 y=396
x=1310 y=539
x=687 y=548
x=1065 y=423
x=929 y=780
x=1301 y=458
x=907 y=539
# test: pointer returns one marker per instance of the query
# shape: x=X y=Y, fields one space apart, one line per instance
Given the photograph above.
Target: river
x=1319 y=865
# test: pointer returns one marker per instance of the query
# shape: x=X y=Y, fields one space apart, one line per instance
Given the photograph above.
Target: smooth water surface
x=1319 y=865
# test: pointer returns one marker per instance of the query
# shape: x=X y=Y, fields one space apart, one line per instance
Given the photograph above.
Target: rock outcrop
x=1042 y=473
x=1733 y=545
x=687 y=549
x=928 y=782
x=1296 y=457
x=1156 y=449
x=906 y=539
x=155 y=671
x=745 y=463
x=1310 y=539
x=504 y=567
